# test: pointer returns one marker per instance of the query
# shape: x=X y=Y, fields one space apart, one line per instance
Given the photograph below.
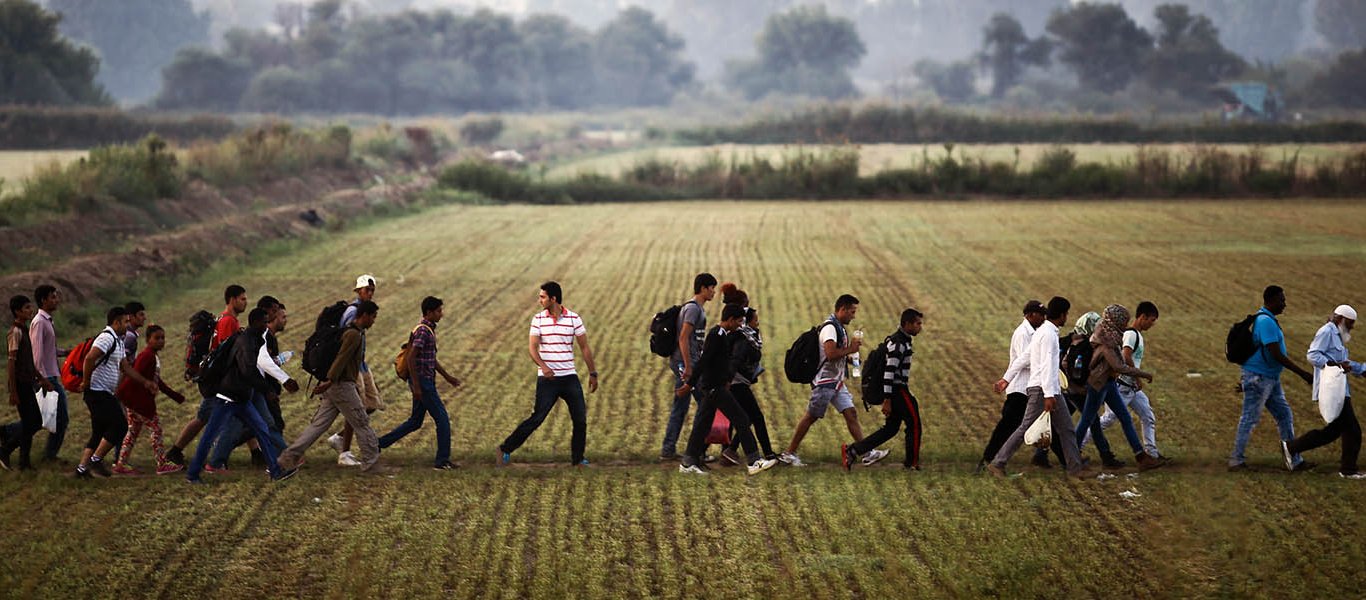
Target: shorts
x=824 y=396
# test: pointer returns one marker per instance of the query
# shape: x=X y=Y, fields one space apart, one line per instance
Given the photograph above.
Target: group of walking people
x=239 y=372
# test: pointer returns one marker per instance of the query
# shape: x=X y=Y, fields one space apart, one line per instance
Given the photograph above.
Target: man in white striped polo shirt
x=553 y=333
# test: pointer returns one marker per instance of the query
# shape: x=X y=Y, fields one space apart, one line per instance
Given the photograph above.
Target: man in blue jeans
x=235 y=430
x=1261 y=381
x=422 y=370
x=692 y=331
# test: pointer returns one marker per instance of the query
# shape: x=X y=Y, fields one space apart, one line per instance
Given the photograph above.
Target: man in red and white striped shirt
x=553 y=333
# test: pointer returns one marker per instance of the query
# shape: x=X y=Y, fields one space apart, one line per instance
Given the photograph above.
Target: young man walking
x=1131 y=391
x=1261 y=381
x=235 y=303
x=898 y=404
x=369 y=392
x=1014 y=381
x=692 y=330
x=21 y=377
x=137 y=318
x=422 y=370
x=551 y=346
x=341 y=396
x=828 y=388
x=43 y=337
x=1044 y=391
x=236 y=431
x=104 y=364
x=712 y=376
x=1329 y=351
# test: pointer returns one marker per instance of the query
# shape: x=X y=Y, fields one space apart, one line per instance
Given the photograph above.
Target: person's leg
x=432 y=403
x=1139 y=403
x=1325 y=435
x=744 y=396
x=276 y=416
x=545 y=400
x=93 y=441
x=844 y=403
x=1012 y=412
x=31 y=422
x=1256 y=388
x=234 y=433
x=572 y=392
x=725 y=402
x=913 y=429
x=413 y=422
x=207 y=404
x=155 y=433
x=346 y=397
x=1033 y=408
x=114 y=422
x=256 y=422
x=890 y=426
x=322 y=420
x=1089 y=410
x=1279 y=408
x=799 y=432
x=134 y=430
x=701 y=426
x=1121 y=412
x=218 y=419
x=678 y=412
x=821 y=397
x=1062 y=428
x=54 y=441
x=1351 y=438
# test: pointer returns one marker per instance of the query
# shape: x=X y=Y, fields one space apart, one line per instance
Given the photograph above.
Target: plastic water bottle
x=284 y=357
x=856 y=365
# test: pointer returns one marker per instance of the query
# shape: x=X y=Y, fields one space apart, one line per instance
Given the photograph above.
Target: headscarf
x=1110 y=330
x=1087 y=324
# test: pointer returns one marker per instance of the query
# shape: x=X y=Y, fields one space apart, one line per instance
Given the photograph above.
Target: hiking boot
x=1040 y=460
x=730 y=457
x=691 y=470
x=847 y=456
x=169 y=468
x=1109 y=461
x=99 y=468
x=790 y=459
x=175 y=455
x=1288 y=456
x=996 y=471
x=873 y=456
x=761 y=465
x=1146 y=461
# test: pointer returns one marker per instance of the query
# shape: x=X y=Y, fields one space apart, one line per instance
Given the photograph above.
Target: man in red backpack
x=235 y=299
x=104 y=365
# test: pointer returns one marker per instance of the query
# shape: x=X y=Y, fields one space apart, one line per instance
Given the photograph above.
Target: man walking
x=1014 y=381
x=341 y=396
x=43 y=337
x=1044 y=392
x=828 y=387
x=236 y=431
x=104 y=364
x=422 y=370
x=898 y=404
x=553 y=333
x=235 y=303
x=1131 y=391
x=1261 y=381
x=369 y=392
x=1329 y=351
x=692 y=329
x=21 y=377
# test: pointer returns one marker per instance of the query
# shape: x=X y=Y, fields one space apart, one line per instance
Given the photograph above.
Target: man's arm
x=685 y=334
x=533 y=348
x=590 y=361
x=10 y=383
x=349 y=352
x=1280 y=357
x=91 y=358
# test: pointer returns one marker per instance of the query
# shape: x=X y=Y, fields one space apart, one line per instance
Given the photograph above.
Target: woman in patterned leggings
x=142 y=406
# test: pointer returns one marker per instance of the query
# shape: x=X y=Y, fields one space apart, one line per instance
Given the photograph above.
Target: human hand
x=321 y=387
x=886 y=408
x=291 y=386
x=1049 y=404
x=455 y=382
x=1307 y=377
x=683 y=390
x=1001 y=386
x=47 y=385
x=592 y=383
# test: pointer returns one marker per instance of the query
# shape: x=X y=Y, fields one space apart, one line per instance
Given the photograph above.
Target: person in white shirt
x=104 y=365
x=1044 y=390
x=1329 y=351
x=1014 y=380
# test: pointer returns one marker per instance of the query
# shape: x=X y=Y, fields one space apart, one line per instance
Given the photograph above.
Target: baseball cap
x=1034 y=306
x=1346 y=311
x=364 y=281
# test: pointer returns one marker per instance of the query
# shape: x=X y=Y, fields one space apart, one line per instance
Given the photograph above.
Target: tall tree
x=560 y=58
x=38 y=65
x=1188 y=58
x=801 y=51
x=1342 y=22
x=1101 y=44
x=134 y=38
x=1007 y=52
x=1343 y=84
x=197 y=78
x=640 y=62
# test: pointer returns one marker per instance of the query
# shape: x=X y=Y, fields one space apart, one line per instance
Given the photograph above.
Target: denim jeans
x=1109 y=395
x=429 y=404
x=1137 y=400
x=678 y=411
x=547 y=392
x=1260 y=391
x=224 y=411
x=54 y=441
x=235 y=432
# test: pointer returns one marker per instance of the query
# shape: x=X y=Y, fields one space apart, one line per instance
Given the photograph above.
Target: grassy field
x=879 y=157
x=633 y=527
x=15 y=165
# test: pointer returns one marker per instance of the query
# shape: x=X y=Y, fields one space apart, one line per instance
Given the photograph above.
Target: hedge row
x=36 y=128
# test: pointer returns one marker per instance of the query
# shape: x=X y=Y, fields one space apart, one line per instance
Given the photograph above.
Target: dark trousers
x=712 y=401
x=54 y=441
x=547 y=392
x=905 y=409
x=430 y=404
x=1345 y=427
x=223 y=412
x=744 y=396
x=1012 y=413
x=277 y=417
x=1074 y=403
x=20 y=433
x=107 y=421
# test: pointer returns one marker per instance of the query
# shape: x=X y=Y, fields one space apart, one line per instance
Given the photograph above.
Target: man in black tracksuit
x=898 y=404
x=712 y=377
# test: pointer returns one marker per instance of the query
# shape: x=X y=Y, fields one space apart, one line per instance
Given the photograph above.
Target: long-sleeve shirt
x=746 y=352
x=44 y=340
x=1328 y=347
x=1043 y=360
x=714 y=368
x=1107 y=364
x=1018 y=371
x=898 y=371
x=346 y=367
x=265 y=362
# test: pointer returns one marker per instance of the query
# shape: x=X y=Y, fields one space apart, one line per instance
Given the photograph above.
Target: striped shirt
x=897 y=374
x=557 y=340
x=105 y=378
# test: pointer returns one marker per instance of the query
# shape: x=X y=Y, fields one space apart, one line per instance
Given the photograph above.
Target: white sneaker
x=335 y=442
x=347 y=459
x=873 y=456
x=1357 y=475
x=1289 y=458
x=691 y=470
x=791 y=460
x=761 y=465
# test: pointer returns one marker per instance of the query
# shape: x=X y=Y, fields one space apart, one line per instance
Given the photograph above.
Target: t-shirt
x=130 y=343
x=557 y=340
x=832 y=371
x=692 y=312
x=105 y=378
x=21 y=352
x=227 y=327
x=133 y=394
x=1265 y=332
x=1133 y=340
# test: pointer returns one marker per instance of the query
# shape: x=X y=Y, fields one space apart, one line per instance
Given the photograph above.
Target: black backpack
x=664 y=330
x=197 y=340
x=215 y=367
x=803 y=359
x=1241 y=345
x=874 y=369
x=322 y=346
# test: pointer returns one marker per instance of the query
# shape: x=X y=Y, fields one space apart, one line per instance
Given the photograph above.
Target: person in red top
x=235 y=299
x=142 y=406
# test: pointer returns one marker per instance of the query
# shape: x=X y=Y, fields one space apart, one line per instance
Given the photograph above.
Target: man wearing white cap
x=1329 y=351
x=365 y=382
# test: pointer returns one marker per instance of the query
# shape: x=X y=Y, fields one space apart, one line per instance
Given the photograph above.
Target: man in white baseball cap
x=365 y=381
x=1329 y=351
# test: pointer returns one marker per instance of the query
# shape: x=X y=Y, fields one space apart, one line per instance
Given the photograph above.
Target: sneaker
x=981 y=466
x=335 y=441
x=668 y=456
x=99 y=468
x=446 y=466
x=761 y=465
x=996 y=471
x=1109 y=461
x=504 y=459
x=873 y=456
x=83 y=473
x=1238 y=468
x=122 y=469
x=195 y=481
x=175 y=455
x=911 y=467
x=284 y=474
x=691 y=470
x=219 y=470
x=708 y=459
x=1289 y=458
x=169 y=468
x=4 y=461
x=582 y=464
x=730 y=457
x=1040 y=460
x=847 y=456
x=791 y=460
x=1304 y=466
x=1356 y=475
x=347 y=459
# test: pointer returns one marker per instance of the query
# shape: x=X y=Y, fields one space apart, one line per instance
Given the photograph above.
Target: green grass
x=633 y=527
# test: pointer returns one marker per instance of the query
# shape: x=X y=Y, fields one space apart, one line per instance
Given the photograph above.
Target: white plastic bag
x=1332 y=391
x=1041 y=432
x=47 y=405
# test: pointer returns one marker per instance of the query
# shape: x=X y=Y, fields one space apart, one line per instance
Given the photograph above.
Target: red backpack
x=73 y=368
